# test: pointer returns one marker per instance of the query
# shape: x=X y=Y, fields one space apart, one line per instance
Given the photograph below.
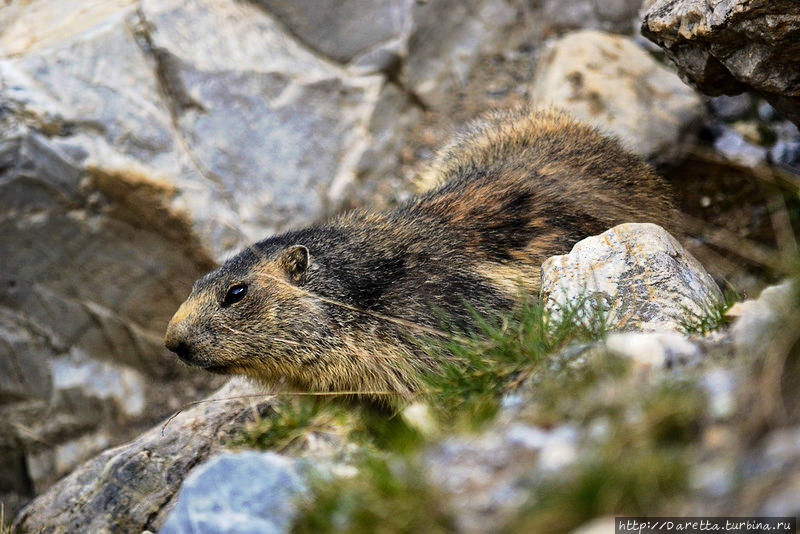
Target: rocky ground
x=141 y=142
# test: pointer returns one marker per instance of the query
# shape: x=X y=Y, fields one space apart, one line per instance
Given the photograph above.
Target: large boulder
x=93 y=263
x=730 y=46
x=609 y=81
x=430 y=47
x=212 y=96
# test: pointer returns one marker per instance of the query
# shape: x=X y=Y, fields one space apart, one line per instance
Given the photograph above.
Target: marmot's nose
x=182 y=349
x=175 y=340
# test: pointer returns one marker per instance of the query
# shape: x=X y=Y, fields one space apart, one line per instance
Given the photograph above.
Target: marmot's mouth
x=211 y=367
x=217 y=369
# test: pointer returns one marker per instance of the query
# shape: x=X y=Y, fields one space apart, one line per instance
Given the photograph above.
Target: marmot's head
x=251 y=315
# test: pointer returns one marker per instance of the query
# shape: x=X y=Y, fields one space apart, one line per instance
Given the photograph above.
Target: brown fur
x=335 y=307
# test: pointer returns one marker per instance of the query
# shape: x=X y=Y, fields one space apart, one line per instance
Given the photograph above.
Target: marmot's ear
x=295 y=260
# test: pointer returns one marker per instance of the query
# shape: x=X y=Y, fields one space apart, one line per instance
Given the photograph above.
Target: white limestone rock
x=637 y=273
x=609 y=81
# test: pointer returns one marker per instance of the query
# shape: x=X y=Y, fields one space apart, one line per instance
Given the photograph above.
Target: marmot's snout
x=175 y=340
x=178 y=336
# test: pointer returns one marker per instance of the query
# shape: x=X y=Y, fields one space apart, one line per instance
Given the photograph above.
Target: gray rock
x=757 y=320
x=228 y=109
x=786 y=150
x=431 y=47
x=447 y=39
x=654 y=350
x=638 y=273
x=132 y=487
x=618 y=16
x=369 y=34
x=245 y=492
x=786 y=153
x=715 y=478
x=58 y=219
x=720 y=385
x=731 y=108
x=24 y=369
x=484 y=475
x=94 y=261
x=729 y=46
x=765 y=111
x=736 y=148
x=610 y=82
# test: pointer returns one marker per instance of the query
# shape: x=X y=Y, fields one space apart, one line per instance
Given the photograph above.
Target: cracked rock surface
x=132 y=487
x=92 y=262
x=730 y=46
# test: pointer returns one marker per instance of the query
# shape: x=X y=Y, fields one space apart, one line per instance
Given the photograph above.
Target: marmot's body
x=333 y=307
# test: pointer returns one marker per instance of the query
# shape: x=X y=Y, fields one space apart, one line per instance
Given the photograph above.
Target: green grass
x=389 y=495
x=479 y=368
x=295 y=419
x=5 y=523
x=634 y=468
x=712 y=315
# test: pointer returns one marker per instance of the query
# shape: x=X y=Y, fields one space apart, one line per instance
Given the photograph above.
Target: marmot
x=335 y=307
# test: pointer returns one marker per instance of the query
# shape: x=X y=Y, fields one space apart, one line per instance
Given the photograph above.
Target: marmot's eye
x=235 y=294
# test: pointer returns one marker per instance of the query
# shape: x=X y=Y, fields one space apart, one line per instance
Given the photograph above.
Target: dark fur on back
x=333 y=307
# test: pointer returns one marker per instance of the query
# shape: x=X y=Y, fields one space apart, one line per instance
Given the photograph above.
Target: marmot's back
x=333 y=307
x=528 y=184
x=565 y=160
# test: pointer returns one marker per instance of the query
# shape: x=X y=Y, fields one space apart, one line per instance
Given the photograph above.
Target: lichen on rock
x=636 y=274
